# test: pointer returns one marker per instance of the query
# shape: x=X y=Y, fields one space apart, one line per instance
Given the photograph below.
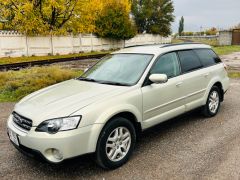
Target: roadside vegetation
x=234 y=74
x=16 y=84
x=12 y=60
x=224 y=50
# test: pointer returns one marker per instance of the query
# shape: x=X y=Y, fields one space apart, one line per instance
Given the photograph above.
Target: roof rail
x=179 y=44
x=145 y=45
x=164 y=45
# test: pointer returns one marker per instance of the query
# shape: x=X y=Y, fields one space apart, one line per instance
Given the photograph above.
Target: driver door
x=163 y=101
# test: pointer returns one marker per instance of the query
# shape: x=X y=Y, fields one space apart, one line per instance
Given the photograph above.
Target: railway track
x=17 y=66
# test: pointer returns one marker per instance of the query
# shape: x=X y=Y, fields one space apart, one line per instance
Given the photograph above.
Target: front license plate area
x=13 y=137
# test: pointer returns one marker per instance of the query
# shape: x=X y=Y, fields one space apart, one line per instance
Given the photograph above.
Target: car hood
x=63 y=99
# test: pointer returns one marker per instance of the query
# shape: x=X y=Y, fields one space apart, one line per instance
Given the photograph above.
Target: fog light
x=57 y=154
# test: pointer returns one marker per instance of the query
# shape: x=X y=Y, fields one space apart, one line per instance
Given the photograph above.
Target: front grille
x=21 y=121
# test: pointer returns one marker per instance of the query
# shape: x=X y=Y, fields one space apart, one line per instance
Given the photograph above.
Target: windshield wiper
x=87 y=79
x=103 y=82
x=114 y=83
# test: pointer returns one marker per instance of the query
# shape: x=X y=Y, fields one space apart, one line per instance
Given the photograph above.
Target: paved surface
x=188 y=147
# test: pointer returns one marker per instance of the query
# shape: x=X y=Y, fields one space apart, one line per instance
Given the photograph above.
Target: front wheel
x=213 y=102
x=116 y=143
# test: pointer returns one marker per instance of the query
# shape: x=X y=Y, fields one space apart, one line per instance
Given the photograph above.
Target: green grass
x=224 y=50
x=14 y=85
x=211 y=42
x=9 y=60
x=234 y=74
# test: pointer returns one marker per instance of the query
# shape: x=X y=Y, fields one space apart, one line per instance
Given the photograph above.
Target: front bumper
x=69 y=143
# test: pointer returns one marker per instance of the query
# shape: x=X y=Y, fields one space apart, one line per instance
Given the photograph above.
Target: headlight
x=59 y=124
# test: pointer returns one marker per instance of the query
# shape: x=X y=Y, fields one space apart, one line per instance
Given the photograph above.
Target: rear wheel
x=213 y=102
x=116 y=143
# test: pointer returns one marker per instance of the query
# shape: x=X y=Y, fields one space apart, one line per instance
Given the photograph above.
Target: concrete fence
x=225 y=38
x=14 y=44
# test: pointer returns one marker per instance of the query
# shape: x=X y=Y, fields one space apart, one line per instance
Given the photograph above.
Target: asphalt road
x=187 y=147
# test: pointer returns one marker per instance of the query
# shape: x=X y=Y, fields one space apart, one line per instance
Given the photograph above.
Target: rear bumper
x=69 y=143
x=225 y=84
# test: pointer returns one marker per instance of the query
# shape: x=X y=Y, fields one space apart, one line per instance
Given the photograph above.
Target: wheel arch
x=132 y=118
x=220 y=86
x=128 y=112
x=214 y=82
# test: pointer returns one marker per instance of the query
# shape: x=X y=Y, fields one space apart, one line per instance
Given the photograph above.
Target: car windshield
x=118 y=69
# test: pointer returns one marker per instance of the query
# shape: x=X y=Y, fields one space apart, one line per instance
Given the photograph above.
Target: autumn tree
x=42 y=16
x=153 y=16
x=114 y=21
x=45 y=17
x=89 y=12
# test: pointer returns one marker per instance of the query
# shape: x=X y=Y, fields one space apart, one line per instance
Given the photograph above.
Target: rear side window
x=207 y=57
x=189 y=61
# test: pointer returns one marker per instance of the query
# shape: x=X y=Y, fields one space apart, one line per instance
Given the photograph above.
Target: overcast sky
x=206 y=13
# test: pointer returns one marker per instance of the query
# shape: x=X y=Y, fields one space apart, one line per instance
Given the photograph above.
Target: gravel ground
x=78 y=65
x=232 y=61
x=187 y=147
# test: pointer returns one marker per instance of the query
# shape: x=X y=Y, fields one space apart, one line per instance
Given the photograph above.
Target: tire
x=111 y=157
x=213 y=102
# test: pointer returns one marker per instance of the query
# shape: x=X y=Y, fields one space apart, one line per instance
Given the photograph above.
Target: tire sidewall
x=102 y=158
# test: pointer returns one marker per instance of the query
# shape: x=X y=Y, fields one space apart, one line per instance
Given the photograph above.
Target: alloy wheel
x=118 y=144
x=213 y=101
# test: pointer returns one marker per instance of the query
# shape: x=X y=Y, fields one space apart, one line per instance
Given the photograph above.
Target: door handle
x=179 y=84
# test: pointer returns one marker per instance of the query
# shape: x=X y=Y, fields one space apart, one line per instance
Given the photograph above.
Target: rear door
x=208 y=59
x=194 y=78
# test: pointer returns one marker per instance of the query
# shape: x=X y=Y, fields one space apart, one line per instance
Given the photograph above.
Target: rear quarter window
x=189 y=61
x=207 y=57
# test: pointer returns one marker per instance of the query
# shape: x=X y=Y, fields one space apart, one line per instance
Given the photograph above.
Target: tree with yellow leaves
x=33 y=17
x=41 y=16
x=114 y=21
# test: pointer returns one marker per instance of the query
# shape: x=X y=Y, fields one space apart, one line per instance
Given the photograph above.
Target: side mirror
x=158 y=78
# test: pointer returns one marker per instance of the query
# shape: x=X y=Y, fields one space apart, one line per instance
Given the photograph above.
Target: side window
x=167 y=64
x=207 y=57
x=189 y=61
